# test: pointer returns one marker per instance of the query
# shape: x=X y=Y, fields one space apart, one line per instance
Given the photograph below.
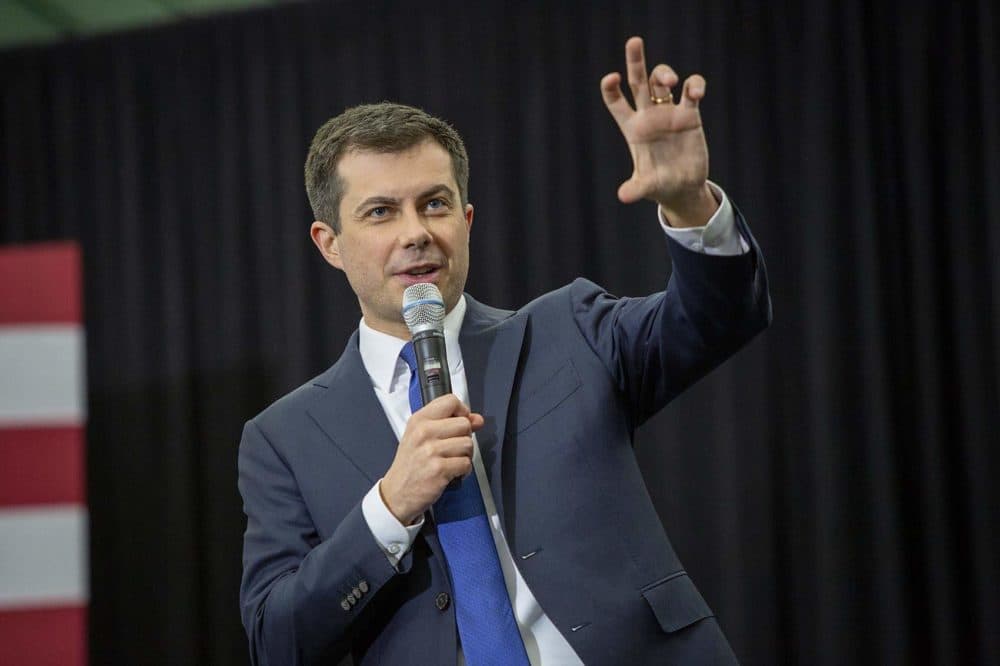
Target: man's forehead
x=395 y=173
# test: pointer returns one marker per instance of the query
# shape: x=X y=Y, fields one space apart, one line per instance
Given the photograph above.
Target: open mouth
x=424 y=273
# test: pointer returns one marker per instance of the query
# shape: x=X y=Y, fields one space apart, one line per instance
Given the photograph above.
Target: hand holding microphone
x=436 y=446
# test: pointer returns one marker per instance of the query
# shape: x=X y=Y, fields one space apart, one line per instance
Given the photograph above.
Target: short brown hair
x=384 y=127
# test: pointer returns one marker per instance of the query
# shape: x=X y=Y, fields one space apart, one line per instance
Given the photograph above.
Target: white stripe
x=42 y=375
x=43 y=556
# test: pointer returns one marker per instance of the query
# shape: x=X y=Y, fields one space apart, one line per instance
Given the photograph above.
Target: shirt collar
x=380 y=351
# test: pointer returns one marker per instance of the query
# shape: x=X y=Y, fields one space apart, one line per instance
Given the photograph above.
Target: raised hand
x=666 y=139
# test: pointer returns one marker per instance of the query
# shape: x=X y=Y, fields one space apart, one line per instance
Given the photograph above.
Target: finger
x=444 y=406
x=635 y=61
x=476 y=421
x=693 y=92
x=454 y=447
x=456 y=426
x=457 y=467
x=661 y=80
x=425 y=430
x=629 y=191
x=611 y=92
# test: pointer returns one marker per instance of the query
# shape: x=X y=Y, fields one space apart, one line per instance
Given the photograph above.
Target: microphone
x=423 y=311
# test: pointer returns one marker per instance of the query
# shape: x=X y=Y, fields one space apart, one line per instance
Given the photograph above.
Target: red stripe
x=40 y=284
x=44 y=637
x=42 y=466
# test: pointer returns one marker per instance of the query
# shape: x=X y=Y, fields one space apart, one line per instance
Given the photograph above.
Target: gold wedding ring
x=669 y=99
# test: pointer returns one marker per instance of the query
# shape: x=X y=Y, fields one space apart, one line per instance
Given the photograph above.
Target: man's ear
x=326 y=240
x=468 y=216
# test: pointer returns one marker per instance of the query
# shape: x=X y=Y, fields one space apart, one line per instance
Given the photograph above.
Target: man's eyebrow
x=436 y=189
x=375 y=201
x=379 y=200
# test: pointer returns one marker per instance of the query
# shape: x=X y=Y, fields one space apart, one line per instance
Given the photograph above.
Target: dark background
x=831 y=489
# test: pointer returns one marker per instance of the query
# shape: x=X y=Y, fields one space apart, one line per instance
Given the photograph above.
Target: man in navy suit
x=350 y=547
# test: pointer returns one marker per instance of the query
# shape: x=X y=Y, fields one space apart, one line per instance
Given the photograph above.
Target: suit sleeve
x=658 y=345
x=293 y=584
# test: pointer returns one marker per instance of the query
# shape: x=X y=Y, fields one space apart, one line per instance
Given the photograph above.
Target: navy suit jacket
x=562 y=383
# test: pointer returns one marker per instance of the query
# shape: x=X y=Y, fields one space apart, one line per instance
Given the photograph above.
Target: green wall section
x=28 y=22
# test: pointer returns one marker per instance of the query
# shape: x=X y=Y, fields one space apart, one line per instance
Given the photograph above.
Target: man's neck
x=380 y=349
x=396 y=329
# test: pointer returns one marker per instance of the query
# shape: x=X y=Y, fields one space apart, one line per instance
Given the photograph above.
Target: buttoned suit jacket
x=562 y=383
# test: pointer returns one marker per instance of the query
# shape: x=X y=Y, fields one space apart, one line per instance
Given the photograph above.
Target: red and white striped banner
x=43 y=510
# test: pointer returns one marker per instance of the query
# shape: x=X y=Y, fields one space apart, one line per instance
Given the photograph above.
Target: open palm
x=666 y=140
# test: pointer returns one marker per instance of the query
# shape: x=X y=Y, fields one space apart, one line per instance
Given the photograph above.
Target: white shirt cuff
x=391 y=535
x=718 y=237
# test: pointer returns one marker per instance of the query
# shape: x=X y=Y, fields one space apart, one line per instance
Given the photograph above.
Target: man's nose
x=414 y=232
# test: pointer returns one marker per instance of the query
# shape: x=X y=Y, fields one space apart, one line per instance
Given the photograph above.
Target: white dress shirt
x=390 y=377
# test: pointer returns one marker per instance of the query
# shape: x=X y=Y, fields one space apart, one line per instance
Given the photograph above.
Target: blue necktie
x=485 y=619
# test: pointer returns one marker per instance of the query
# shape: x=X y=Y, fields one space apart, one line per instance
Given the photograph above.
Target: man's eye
x=378 y=211
x=436 y=204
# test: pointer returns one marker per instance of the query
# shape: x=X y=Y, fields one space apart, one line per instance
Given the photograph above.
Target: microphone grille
x=423 y=307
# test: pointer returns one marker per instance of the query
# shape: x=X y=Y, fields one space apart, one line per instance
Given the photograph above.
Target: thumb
x=629 y=191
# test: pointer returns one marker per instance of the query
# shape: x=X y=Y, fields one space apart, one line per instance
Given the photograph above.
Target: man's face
x=401 y=222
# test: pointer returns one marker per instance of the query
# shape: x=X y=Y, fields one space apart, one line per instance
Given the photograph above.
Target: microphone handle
x=433 y=371
x=432 y=364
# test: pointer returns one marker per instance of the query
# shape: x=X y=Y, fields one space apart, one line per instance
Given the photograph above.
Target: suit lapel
x=351 y=416
x=491 y=342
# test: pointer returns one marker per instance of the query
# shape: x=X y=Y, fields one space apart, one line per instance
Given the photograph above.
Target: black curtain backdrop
x=832 y=489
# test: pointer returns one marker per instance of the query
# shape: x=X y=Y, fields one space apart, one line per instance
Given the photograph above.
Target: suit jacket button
x=345 y=605
x=363 y=586
x=442 y=600
x=357 y=592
